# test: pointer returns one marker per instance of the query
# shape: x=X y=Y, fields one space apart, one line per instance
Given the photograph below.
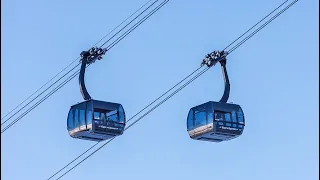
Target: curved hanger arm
x=226 y=92
x=212 y=59
x=83 y=89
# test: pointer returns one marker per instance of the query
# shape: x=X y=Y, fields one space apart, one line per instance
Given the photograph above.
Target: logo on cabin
x=229 y=128
x=102 y=126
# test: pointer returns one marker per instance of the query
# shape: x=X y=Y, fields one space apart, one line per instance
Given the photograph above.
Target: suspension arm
x=226 y=92
x=211 y=60
x=85 y=55
x=88 y=57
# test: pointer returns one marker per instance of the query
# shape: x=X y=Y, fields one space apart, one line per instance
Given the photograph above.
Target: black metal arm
x=88 y=57
x=226 y=92
x=85 y=55
x=211 y=60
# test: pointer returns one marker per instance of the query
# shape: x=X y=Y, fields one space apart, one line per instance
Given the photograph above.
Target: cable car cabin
x=96 y=120
x=215 y=121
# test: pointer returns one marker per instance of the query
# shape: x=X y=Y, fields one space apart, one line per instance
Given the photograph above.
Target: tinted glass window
x=96 y=115
x=210 y=117
x=76 y=118
x=89 y=113
x=234 y=116
x=70 y=120
x=219 y=116
x=89 y=117
x=113 y=117
x=190 y=120
x=102 y=116
x=112 y=112
x=200 y=118
x=240 y=116
x=227 y=117
x=82 y=117
x=121 y=115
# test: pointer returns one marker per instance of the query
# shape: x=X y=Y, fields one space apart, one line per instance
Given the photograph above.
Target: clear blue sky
x=274 y=77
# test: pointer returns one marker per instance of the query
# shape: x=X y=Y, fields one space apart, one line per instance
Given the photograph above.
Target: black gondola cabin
x=215 y=121
x=92 y=119
x=96 y=120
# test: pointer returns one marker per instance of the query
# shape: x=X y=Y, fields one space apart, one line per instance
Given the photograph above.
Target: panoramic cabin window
x=200 y=118
x=96 y=115
x=89 y=113
x=113 y=116
x=121 y=115
x=240 y=118
x=218 y=116
x=82 y=117
x=76 y=118
x=70 y=120
x=234 y=118
x=190 y=120
x=89 y=116
x=102 y=117
x=210 y=117
x=227 y=117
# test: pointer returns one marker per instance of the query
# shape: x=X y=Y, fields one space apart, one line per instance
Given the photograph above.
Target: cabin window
x=82 y=118
x=219 y=116
x=190 y=120
x=227 y=117
x=210 y=117
x=89 y=116
x=121 y=115
x=89 y=113
x=76 y=118
x=96 y=115
x=200 y=118
x=70 y=119
x=112 y=116
x=234 y=116
x=102 y=116
x=240 y=117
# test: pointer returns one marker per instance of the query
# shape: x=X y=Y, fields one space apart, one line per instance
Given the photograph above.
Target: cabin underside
x=211 y=133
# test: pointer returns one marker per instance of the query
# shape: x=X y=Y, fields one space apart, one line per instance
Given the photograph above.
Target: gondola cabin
x=96 y=120
x=215 y=121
